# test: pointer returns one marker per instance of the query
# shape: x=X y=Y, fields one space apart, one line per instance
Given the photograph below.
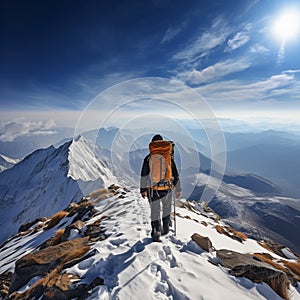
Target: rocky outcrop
x=232 y=233
x=68 y=246
x=46 y=260
x=251 y=267
x=277 y=280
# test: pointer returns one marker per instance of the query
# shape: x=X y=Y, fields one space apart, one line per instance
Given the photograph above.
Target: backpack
x=160 y=164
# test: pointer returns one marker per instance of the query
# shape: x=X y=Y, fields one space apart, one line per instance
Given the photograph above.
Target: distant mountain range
x=278 y=163
x=41 y=181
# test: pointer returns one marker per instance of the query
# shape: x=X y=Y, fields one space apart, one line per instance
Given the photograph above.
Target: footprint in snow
x=118 y=242
x=166 y=255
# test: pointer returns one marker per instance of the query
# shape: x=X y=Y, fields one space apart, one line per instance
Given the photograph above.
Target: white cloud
x=216 y=71
x=239 y=40
x=259 y=49
x=9 y=131
x=291 y=71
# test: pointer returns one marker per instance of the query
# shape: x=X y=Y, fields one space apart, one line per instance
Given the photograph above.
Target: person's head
x=157 y=137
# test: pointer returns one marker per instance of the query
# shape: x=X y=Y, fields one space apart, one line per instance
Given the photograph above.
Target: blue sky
x=56 y=56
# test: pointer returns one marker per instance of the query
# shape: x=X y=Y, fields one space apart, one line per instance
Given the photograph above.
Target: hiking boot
x=166 y=225
x=156 y=236
x=156 y=227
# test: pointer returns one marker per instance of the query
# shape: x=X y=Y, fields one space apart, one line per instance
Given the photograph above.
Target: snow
x=84 y=165
x=6 y=162
x=133 y=267
x=47 y=181
x=287 y=252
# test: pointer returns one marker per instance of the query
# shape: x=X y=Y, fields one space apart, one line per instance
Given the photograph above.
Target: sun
x=286 y=27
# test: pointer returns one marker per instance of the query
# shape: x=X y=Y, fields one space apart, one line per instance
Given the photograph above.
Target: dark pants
x=156 y=199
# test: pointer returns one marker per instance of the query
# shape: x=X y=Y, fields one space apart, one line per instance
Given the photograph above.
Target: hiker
x=159 y=179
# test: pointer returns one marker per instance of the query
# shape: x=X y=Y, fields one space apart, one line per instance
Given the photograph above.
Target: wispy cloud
x=171 y=33
x=278 y=87
x=205 y=41
x=216 y=71
x=291 y=71
x=239 y=40
x=9 y=131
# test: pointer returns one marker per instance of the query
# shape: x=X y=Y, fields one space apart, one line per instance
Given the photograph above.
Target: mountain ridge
x=50 y=177
x=100 y=248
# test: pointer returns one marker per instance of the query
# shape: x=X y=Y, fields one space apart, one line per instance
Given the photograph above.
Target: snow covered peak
x=85 y=165
x=48 y=180
x=6 y=162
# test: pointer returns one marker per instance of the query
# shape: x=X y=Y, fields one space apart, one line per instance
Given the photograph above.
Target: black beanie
x=157 y=137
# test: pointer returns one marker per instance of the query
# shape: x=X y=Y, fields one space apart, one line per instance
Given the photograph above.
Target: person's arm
x=176 y=179
x=144 y=177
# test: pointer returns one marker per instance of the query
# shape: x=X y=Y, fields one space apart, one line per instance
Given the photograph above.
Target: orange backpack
x=161 y=153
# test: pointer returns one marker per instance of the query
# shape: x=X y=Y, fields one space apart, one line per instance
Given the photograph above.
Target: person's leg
x=167 y=206
x=155 y=213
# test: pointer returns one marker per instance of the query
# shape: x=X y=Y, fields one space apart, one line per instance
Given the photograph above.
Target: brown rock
x=45 y=260
x=27 y=226
x=203 y=241
x=55 y=219
x=5 y=280
x=78 y=225
x=277 y=280
x=251 y=267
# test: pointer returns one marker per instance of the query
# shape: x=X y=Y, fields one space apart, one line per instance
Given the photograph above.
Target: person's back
x=159 y=176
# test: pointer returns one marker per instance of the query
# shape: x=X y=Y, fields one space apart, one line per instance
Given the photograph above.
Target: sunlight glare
x=287 y=26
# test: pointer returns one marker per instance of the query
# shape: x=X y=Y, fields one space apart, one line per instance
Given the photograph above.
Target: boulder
x=203 y=241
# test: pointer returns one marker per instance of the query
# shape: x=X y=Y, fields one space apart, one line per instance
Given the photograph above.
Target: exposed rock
x=27 y=226
x=275 y=248
x=5 y=280
x=45 y=260
x=54 y=240
x=55 y=219
x=231 y=259
x=94 y=231
x=277 y=280
x=78 y=225
x=102 y=194
x=230 y=232
x=203 y=241
x=71 y=207
x=114 y=187
x=289 y=268
x=251 y=267
x=83 y=211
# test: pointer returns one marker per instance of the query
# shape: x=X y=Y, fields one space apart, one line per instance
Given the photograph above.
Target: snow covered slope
x=6 y=162
x=125 y=264
x=47 y=181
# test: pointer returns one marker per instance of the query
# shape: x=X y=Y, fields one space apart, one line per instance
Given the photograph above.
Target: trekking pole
x=174 y=197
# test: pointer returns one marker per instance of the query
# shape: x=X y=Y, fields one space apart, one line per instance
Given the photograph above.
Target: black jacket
x=145 y=178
